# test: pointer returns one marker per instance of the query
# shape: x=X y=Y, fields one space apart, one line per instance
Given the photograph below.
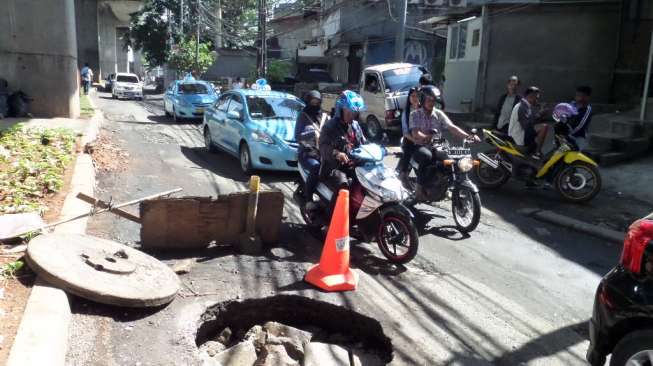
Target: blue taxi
x=188 y=98
x=256 y=126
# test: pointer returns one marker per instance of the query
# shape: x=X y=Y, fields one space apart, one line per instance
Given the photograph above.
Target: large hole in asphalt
x=287 y=320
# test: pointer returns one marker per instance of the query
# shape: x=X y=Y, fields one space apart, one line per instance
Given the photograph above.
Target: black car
x=622 y=320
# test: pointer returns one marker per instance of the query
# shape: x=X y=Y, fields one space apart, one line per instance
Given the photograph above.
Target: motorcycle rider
x=307 y=134
x=338 y=137
x=523 y=126
x=426 y=124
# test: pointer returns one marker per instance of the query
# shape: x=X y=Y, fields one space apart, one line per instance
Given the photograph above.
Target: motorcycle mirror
x=474 y=131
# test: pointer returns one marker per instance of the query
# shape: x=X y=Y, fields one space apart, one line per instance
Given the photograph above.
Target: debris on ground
x=107 y=157
x=183 y=266
x=277 y=344
x=32 y=165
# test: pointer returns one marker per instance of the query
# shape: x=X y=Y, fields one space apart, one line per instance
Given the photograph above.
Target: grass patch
x=32 y=164
x=86 y=110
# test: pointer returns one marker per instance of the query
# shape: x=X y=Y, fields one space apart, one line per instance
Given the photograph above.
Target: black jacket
x=333 y=140
x=306 y=136
x=497 y=114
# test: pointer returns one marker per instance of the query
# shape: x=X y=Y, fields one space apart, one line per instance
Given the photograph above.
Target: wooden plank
x=102 y=204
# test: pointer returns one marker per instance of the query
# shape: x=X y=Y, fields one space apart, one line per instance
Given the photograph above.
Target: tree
x=278 y=70
x=183 y=58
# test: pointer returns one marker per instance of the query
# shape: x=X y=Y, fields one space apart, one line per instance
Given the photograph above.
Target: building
x=555 y=45
x=232 y=63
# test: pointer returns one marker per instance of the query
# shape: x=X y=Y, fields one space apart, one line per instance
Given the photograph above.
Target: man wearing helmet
x=338 y=137
x=307 y=133
x=426 y=124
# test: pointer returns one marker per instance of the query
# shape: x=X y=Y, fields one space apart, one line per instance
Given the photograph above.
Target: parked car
x=622 y=320
x=188 y=98
x=127 y=86
x=385 y=90
x=257 y=126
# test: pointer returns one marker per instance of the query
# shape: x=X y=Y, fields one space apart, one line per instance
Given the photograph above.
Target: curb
x=42 y=337
x=574 y=224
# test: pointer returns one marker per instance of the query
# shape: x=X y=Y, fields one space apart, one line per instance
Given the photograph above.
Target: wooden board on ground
x=102 y=270
x=195 y=222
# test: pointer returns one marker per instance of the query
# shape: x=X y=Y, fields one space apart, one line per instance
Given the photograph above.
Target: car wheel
x=636 y=348
x=245 y=159
x=208 y=142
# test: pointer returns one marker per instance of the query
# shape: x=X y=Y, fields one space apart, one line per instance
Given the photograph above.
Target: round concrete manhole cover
x=102 y=270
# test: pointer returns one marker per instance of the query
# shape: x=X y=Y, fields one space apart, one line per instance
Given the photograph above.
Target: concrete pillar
x=121 y=53
x=107 y=40
x=87 y=35
x=38 y=53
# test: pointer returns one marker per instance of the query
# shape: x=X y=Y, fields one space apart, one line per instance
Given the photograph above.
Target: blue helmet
x=350 y=100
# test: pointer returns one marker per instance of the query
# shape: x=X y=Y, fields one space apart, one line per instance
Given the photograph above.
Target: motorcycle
x=375 y=206
x=452 y=180
x=573 y=174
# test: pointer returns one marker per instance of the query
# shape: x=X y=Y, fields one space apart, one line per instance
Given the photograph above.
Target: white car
x=127 y=86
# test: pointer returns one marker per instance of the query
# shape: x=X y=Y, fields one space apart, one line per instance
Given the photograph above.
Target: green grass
x=32 y=164
x=86 y=110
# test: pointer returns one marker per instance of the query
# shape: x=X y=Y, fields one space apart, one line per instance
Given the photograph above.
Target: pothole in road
x=290 y=330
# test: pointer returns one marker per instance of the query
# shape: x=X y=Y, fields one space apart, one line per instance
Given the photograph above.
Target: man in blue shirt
x=581 y=122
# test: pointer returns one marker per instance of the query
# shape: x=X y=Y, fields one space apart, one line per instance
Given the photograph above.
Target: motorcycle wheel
x=397 y=238
x=466 y=209
x=578 y=182
x=488 y=177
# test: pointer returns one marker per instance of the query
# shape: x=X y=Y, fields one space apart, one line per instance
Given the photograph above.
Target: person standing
x=581 y=122
x=87 y=78
x=506 y=104
x=238 y=84
x=307 y=134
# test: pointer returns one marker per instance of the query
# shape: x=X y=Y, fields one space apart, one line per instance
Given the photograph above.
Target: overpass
x=43 y=44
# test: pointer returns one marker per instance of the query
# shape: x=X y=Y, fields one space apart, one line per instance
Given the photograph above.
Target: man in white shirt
x=523 y=119
x=238 y=84
x=87 y=77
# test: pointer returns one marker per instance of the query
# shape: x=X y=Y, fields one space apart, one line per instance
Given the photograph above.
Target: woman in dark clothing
x=407 y=146
x=307 y=133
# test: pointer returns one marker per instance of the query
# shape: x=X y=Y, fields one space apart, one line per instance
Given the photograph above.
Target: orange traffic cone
x=333 y=272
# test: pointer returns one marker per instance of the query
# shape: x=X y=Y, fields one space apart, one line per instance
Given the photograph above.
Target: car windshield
x=261 y=107
x=127 y=79
x=194 y=88
x=402 y=79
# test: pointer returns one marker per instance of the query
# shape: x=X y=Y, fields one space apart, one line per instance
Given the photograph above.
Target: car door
x=234 y=127
x=167 y=98
x=215 y=119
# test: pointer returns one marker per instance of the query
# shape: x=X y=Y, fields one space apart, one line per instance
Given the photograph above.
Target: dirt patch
x=14 y=292
x=107 y=157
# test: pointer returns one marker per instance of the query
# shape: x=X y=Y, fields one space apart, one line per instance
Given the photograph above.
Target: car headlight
x=262 y=137
x=465 y=164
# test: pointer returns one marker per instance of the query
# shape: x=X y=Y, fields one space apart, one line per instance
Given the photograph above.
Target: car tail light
x=638 y=237
x=392 y=114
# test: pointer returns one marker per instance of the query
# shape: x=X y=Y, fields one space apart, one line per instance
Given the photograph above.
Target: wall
x=38 y=54
x=556 y=47
x=87 y=36
x=461 y=73
x=107 y=24
x=231 y=66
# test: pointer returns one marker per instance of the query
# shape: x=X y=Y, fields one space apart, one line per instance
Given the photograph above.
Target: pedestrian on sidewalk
x=581 y=122
x=87 y=77
x=506 y=104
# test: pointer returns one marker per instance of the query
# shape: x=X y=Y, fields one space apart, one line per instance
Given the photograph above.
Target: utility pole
x=401 y=37
x=262 y=17
x=218 y=25
x=647 y=81
x=197 y=41
x=181 y=17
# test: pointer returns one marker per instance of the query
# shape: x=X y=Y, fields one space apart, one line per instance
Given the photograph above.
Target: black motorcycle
x=451 y=179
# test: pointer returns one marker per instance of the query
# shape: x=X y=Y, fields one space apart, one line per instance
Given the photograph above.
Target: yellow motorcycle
x=573 y=174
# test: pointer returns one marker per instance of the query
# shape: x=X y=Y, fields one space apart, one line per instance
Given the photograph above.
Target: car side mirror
x=234 y=115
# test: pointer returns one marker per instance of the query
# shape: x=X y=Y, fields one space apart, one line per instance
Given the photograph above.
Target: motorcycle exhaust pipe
x=488 y=160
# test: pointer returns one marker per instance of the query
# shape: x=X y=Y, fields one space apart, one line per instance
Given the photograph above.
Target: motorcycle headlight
x=465 y=164
x=262 y=137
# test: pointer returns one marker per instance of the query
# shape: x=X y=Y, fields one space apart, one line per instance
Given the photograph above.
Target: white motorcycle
x=375 y=206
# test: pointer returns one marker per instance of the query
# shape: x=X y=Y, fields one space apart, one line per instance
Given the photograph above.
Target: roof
x=265 y=93
x=392 y=66
x=126 y=74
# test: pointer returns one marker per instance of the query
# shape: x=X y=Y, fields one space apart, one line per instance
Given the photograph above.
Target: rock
x=282 y=330
x=225 y=336
x=275 y=355
x=212 y=348
x=316 y=354
x=294 y=346
x=257 y=336
x=242 y=354
x=183 y=266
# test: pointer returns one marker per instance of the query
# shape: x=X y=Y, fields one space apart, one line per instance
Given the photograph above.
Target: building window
x=458 y=41
x=476 y=37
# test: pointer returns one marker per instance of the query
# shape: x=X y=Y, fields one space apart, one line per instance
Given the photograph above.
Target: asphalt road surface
x=515 y=291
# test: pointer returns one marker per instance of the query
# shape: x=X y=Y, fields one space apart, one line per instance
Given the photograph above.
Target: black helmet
x=313 y=94
x=433 y=92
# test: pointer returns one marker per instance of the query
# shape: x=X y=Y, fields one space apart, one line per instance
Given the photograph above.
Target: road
x=516 y=291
